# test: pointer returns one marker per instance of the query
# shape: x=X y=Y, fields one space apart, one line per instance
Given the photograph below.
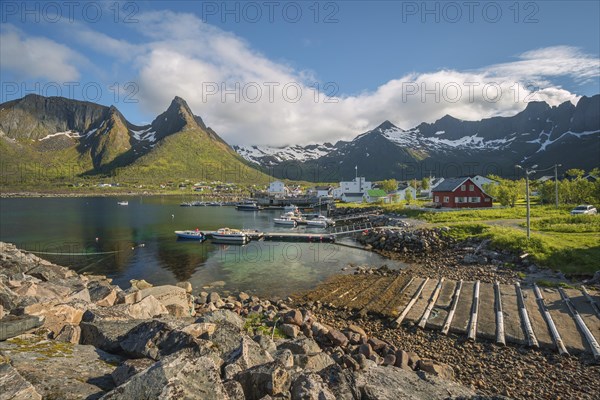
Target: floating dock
x=299 y=237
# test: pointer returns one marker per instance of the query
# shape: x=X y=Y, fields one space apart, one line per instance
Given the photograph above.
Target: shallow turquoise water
x=138 y=243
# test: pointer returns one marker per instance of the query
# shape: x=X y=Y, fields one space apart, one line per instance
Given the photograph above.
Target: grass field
x=566 y=243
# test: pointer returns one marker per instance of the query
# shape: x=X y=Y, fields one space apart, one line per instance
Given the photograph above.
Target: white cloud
x=180 y=55
x=37 y=57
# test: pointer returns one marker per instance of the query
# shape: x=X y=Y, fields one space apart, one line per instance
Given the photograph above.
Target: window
x=463 y=187
x=474 y=199
x=487 y=200
x=437 y=199
x=471 y=188
x=446 y=199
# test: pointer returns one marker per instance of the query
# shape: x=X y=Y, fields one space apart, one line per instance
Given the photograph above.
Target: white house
x=352 y=197
x=482 y=180
x=323 y=191
x=357 y=185
x=432 y=184
x=402 y=189
x=277 y=188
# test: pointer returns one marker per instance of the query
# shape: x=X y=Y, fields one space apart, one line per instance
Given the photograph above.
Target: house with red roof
x=461 y=193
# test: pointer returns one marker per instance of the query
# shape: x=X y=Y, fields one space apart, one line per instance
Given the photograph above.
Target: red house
x=460 y=193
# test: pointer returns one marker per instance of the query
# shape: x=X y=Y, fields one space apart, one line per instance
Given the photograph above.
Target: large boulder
x=174 y=298
x=179 y=376
x=14 y=387
x=311 y=387
x=390 y=383
x=219 y=316
x=106 y=335
x=14 y=325
x=266 y=379
x=129 y=368
x=60 y=370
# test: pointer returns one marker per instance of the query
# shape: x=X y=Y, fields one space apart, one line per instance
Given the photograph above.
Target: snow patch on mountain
x=70 y=134
x=144 y=135
x=288 y=153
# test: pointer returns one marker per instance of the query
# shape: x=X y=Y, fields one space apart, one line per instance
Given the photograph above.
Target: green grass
x=551 y=284
x=572 y=253
x=257 y=324
x=568 y=224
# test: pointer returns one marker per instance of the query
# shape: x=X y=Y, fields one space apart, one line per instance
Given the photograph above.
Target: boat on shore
x=191 y=235
x=228 y=235
x=248 y=206
x=123 y=203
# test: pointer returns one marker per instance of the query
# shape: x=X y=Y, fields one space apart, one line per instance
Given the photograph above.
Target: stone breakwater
x=70 y=336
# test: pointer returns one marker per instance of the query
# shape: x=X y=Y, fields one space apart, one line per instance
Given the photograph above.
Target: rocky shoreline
x=73 y=336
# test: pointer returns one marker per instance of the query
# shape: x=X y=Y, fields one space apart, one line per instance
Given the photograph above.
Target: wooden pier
x=299 y=237
x=561 y=319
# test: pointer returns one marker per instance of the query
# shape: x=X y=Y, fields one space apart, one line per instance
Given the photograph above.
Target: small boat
x=321 y=221
x=286 y=219
x=227 y=235
x=291 y=208
x=191 y=235
x=123 y=203
x=185 y=204
x=248 y=206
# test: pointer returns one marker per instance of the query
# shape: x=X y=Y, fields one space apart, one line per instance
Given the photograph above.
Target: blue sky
x=345 y=66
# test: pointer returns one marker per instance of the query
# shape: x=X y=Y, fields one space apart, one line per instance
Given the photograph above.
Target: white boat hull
x=192 y=235
x=286 y=222
x=320 y=224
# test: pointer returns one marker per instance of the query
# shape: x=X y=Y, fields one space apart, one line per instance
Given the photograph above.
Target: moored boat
x=191 y=235
x=320 y=221
x=123 y=203
x=248 y=206
x=286 y=219
x=228 y=235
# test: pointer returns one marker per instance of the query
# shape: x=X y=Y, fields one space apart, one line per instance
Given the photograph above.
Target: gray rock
x=106 y=335
x=301 y=345
x=69 y=333
x=266 y=343
x=248 y=354
x=14 y=387
x=129 y=368
x=341 y=382
x=102 y=293
x=179 y=376
x=315 y=362
x=311 y=387
x=12 y=325
x=223 y=316
x=234 y=390
x=267 y=379
x=435 y=368
x=388 y=383
x=156 y=339
x=60 y=370
x=290 y=330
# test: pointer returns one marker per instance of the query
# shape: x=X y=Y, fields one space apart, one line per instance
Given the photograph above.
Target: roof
x=353 y=194
x=323 y=187
x=449 y=184
x=377 y=193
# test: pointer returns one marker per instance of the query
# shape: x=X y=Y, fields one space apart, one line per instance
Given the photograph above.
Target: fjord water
x=95 y=235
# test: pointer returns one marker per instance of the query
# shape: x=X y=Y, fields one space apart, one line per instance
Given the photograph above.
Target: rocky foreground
x=70 y=336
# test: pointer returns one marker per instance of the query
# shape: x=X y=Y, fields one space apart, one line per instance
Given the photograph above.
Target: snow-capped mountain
x=540 y=134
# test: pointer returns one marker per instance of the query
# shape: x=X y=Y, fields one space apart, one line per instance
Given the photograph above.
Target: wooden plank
x=399 y=303
x=538 y=319
x=439 y=313
x=584 y=308
x=462 y=315
x=418 y=308
x=527 y=325
x=412 y=301
x=431 y=303
x=474 y=312
x=452 y=309
x=583 y=328
x=373 y=301
x=486 y=315
x=500 y=339
x=593 y=304
x=555 y=304
x=513 y=330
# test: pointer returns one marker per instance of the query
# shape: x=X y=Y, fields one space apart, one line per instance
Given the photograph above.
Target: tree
x=408 y=196
x=575 y=173
x=389 y=185
x=424 y=183
x=507 y=191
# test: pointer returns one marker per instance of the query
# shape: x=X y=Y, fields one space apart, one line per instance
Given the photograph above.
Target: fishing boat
x=320 y=221
x=227 y=235
x=248 y=206
x=191 y=235
x=123 y=203
x=286 y=219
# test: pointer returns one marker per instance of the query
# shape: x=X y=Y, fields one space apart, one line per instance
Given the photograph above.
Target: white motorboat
x=191 y=235
x=291 y=208
x=286 y=219
x=320 y=221
x=123 y=203
x=227 y=235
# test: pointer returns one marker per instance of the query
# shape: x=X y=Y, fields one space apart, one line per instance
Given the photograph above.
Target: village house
x=352 y=197
x=357 y=185
x=277 y=189
x=323 y=191
x=460 y=193
x=403 y=189
x=375 y=196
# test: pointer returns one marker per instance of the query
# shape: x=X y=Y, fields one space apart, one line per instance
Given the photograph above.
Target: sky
x=300 y=72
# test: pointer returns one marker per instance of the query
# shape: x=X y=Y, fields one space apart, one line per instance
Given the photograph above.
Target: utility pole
x=556 y=182
x=527 y=173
